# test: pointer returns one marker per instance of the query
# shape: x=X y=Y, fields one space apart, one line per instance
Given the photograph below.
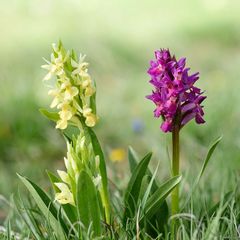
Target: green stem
x=106 y=203
x=175 y=168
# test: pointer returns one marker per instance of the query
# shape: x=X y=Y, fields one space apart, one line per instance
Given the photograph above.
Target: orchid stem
x=175 y=171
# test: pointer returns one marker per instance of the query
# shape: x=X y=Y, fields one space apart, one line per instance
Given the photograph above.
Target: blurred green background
x=119 y=38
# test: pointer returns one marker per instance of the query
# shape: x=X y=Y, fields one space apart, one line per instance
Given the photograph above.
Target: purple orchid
x=176 y=98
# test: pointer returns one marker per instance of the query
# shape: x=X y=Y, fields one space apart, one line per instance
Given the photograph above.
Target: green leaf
x=148 y=189
x=133 y=162
x=206 y=161
x=54 y=179
x=102 y=167
x=93 y=103
x=155 y=221
x=54 y=116
x=132 y=159
x=87 y=203
x=209 y=155
x=157 y=199
x=46 y=206
x=134 y=187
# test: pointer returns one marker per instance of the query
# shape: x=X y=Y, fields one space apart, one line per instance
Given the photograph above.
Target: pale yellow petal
x=67 y=163
x=46 y=66
x=89 y=91
x=53 y=92
x=64 y=176
x=86 y=82
x=86 y=111
x=65 y=115
x=61 y=124
x=74 y=91
x=91 y=120
x=48 y=76
x=74 y=63
x=65 y=196
x=75 y=72
x=62 y=186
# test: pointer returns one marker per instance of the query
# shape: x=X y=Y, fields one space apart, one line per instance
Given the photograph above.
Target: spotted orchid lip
x=174 y=91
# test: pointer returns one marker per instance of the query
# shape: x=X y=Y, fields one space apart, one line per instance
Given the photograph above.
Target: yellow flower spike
x=64 y=176
x=65 y=196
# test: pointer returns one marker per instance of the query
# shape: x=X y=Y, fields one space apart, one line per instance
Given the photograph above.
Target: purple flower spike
x=174 y=95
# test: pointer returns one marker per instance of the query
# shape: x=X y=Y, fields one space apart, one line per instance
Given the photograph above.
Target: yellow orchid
x=86 y=81
x=89 y=91
x=80 y=67
x=74 y=87
x=62 y=124
x=69 y=91
x=55 y=67
x=91 y=119
x=65 y=196
x=56 y=93
x=65 y=114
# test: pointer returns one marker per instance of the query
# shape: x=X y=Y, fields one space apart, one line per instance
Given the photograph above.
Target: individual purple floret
x=175 y=97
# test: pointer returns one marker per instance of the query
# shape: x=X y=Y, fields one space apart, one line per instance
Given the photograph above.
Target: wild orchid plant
x=177 y=101
x=82 y=207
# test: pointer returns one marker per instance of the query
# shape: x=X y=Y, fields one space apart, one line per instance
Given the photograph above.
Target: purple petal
x=188 y=118
x=188 y=106
x=166 y=126
x=199 y=119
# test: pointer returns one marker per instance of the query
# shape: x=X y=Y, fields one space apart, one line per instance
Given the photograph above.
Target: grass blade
x=157 y=199
x=46 y=206
x=134 y=187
